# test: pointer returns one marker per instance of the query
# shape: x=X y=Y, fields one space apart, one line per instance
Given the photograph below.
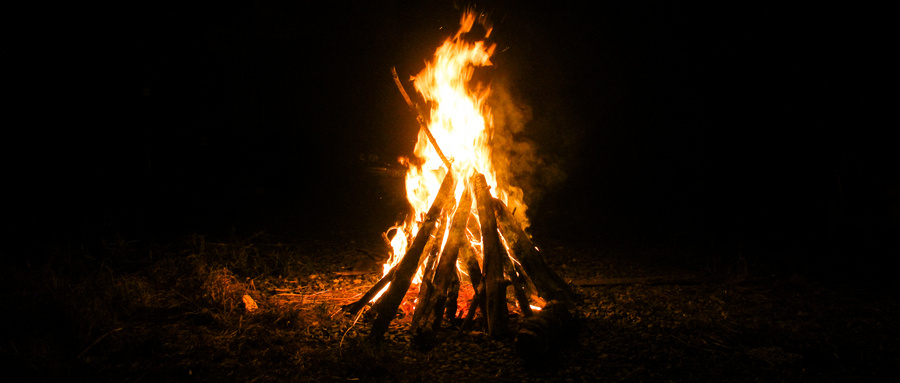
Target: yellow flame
x=461 y=123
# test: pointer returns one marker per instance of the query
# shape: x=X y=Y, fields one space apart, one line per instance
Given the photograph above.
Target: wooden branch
x=544 y=335
x=432 y=299
x=470 y=260
x=495 y=284
x=518 y=283
x=477 y=301
x=386 y=308
x=355 y=307
x=422 y=123
x=427 y=287
x=549 y=285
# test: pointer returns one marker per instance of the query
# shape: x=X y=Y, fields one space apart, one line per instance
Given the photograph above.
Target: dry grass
x=148 y=312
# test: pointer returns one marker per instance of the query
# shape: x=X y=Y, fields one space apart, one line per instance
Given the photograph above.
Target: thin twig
x=419 y=118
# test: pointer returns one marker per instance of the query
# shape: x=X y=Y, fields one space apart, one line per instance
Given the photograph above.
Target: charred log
x=386 y=308
x=443 y=283
x=550 y=285
x=355 y=307
x=495 y=284
x=476 y=303
x=544 y=335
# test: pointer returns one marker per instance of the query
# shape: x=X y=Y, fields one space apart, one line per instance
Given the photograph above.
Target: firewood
x=476 y=303
x=452 y=303
x=542 y=336
x=495 y=284
x=469 y=258
x=518 y=283
x=549 y=285
x=355 y=307
x=432 y=300
x=420 y=118
x=426 y=287
x=386 y=308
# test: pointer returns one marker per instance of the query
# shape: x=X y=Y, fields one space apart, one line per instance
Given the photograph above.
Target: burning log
x=386 y=308
x=437 y=291
x=355 y=307
x=467 y=253
x=519 y=281
x=419 y=118
x=476 y=303
x=544 y=334
x=493 y=249
x=494 y=282
x=549 y=285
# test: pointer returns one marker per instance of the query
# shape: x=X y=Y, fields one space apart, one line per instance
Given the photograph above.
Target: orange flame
x=462 y=125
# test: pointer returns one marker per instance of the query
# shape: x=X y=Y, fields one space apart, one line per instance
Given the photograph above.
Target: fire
x=461 y=123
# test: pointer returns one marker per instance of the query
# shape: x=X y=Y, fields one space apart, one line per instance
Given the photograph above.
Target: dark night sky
x=733 y=119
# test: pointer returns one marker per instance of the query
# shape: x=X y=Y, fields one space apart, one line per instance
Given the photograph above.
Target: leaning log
x=355 y=307
x=476 y=303
x=495 y=283
x=549 y=285
x=386 y=308
x=518 y=282
x=439 y=286
x=468 y=257
x=544 y=335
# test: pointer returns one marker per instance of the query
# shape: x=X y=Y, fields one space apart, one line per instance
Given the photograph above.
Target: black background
x=746 y=124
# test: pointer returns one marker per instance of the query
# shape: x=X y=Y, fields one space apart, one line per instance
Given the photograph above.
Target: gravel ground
x=130 y=310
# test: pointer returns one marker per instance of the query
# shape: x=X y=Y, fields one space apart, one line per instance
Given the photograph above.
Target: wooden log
x=355 y=307
x=452 y=304
x=495 y=284
x=549 y=285
x=542 y=336
x=426 y=287
x=386 y=308
x=431 y=304
x=518 y=284
x=477 y=301
x=469 y=258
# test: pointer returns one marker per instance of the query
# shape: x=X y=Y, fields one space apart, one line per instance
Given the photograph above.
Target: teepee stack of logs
x=511 y=265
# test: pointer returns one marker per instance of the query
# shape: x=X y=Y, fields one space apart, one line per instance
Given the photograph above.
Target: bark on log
x=452 y=304
x=495 y=284
x=469 y=256
x=426 y=287
x=470 y=260
x=434 y=297
x=386 y=308
x=518 y=284
x=355 y=307
x=549 y=285
x=477 y=301
x=542 y=336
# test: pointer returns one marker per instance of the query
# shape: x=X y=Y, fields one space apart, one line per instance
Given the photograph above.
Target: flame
x=462 y=125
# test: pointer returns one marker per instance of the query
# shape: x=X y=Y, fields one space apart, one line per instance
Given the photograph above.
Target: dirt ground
x=173 y=308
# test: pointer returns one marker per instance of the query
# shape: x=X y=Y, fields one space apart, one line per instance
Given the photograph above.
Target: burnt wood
x=386 y=307
x=444 y=281
x=495 y=283
x=542 y=336
x=549 y=285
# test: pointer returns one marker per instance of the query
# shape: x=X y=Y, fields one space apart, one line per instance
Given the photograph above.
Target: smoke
x=522 y=167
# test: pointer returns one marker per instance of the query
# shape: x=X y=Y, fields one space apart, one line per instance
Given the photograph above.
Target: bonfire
x=466 y=229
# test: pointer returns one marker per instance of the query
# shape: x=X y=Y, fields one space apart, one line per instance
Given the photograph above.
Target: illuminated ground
x=125 y=309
